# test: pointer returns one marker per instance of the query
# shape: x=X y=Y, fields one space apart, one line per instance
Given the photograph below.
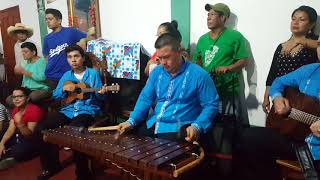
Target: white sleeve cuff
x=131 y=122
x=195 y=125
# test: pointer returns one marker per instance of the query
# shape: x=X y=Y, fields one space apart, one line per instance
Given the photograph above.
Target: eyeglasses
x=18 y=96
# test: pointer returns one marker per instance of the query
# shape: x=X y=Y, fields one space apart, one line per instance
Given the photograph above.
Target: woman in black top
x=299 y=50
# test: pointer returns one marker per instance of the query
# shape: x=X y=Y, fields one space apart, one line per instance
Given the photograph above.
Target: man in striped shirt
x=4 y=119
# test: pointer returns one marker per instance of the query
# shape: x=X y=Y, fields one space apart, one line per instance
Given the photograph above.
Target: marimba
x=141 y=157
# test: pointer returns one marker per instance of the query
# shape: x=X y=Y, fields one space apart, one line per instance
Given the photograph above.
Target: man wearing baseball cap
x=222 y=52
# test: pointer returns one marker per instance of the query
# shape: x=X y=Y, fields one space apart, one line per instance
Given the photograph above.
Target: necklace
x=217 y=38
x=212 y=46
x=295 y=50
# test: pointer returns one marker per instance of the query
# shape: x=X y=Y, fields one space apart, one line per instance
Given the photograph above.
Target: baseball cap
x=220 y=7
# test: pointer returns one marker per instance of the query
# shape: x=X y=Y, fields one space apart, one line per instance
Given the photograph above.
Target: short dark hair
x=172 y=27
x=30 y=46
x=55 y=12
x=75 y=48
x=167 y=39
x=25 y=91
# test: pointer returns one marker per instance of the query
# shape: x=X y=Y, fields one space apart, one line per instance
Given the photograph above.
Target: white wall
x=265 y=24
x=133 y=21
x=8 y=3
x=28 y=15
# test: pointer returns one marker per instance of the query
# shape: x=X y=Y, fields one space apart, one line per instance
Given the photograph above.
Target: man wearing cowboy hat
x=22 y=33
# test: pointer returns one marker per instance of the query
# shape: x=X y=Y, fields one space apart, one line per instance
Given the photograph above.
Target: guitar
x=81 y=89
x=305 y=110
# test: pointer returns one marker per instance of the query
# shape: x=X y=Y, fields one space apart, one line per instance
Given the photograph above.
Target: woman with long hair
x=299 y=50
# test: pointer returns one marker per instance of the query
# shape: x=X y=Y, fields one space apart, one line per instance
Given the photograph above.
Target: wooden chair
x=291 y=170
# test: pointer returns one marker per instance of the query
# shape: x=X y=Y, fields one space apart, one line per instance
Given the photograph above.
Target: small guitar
x=305 y=110
x=81 y=89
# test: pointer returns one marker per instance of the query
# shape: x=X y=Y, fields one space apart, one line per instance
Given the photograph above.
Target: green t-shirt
x=225 y=50
x=37 y=81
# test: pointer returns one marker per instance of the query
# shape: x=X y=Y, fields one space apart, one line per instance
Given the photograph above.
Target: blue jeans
x=21 y=148
x=49 y=153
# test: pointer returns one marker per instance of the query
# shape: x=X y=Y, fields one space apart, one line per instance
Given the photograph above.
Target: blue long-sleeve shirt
x=307 y=79
x=90 y=105
x=189 y=97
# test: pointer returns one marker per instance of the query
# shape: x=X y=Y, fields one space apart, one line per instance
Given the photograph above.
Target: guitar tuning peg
x=118 y=87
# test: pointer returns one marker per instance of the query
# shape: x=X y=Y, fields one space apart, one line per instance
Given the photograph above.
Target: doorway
x=9 y=17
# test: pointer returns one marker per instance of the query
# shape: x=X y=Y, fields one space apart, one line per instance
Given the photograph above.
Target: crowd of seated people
x=177 y=89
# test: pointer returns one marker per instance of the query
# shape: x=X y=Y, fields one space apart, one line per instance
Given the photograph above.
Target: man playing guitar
x=259 y=147
x=79 y=112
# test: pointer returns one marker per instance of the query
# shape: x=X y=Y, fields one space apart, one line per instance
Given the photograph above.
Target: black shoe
x=85 y=177
x=46 y=174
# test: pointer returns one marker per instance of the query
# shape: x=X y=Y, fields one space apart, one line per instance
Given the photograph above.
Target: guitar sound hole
x=78 y=90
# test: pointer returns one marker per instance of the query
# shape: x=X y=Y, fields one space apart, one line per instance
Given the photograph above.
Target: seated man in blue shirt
x=184 y=94
x=79 y=113
x=260 y=147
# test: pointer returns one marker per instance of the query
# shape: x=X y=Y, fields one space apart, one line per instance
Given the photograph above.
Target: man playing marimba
x=184 y=93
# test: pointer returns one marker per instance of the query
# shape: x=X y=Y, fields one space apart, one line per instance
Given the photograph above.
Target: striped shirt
x=4 y=113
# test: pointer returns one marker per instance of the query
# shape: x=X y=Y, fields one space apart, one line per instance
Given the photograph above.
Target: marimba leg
x=147 y=176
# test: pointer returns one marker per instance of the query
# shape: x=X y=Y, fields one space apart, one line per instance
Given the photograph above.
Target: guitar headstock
x=104 y=64
x=114 y=88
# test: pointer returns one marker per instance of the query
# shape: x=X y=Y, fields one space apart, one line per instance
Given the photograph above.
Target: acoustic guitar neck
x=89 y=90
x=305 y=110
x=108 y=88
x=303 y=117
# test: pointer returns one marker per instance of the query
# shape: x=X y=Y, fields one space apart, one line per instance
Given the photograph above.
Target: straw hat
x=91 y=31
x=20 y=27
